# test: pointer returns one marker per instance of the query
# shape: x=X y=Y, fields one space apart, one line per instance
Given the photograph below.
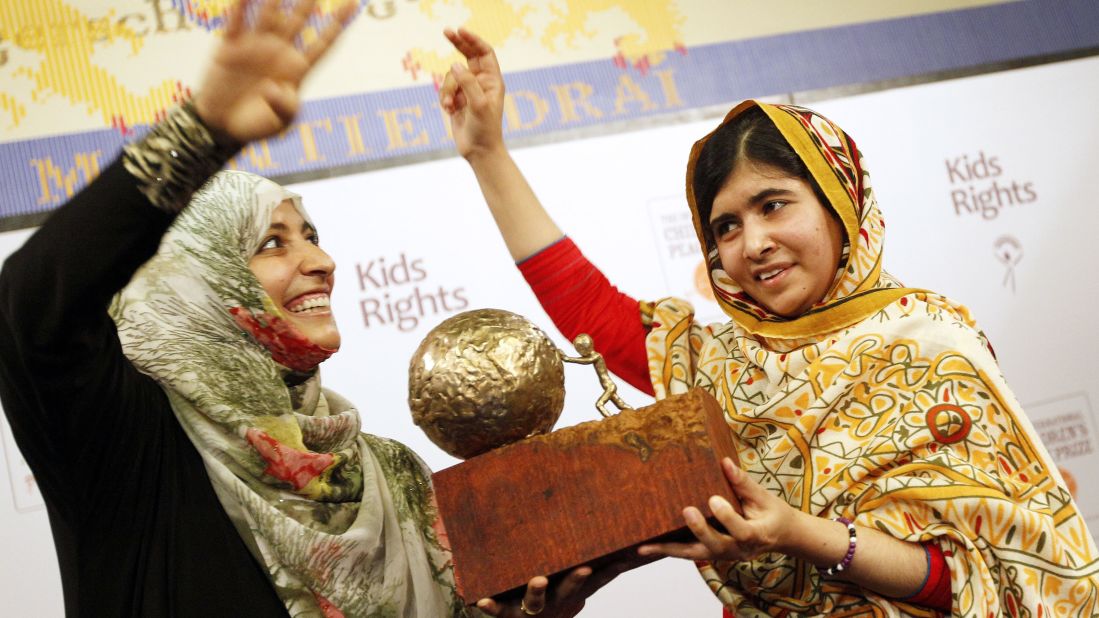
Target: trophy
x=487 y=386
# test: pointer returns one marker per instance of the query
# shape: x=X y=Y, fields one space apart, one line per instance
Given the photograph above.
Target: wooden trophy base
x=580 y=494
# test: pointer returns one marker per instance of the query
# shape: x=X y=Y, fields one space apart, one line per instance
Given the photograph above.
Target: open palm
x=251 y=88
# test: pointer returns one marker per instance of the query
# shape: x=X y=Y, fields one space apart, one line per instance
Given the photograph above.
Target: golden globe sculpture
x=485 y=378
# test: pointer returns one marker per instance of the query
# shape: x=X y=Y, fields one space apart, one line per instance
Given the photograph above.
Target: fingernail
x=457 y=68
x=717 y=502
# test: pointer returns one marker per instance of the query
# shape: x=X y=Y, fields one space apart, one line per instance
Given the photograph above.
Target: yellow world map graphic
x=62 y=40
x=658 y=29
x=65 y=38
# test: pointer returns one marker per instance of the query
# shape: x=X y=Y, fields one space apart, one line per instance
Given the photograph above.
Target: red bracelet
x=852 y=539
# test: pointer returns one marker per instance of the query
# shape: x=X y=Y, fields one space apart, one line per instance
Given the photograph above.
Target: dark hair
x=752 y=136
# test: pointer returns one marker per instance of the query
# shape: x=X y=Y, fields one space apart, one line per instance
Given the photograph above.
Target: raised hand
x=761 y=528
x=473 y=97
x=251 y=86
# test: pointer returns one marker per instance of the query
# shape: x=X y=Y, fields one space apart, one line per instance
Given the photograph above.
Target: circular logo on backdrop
x=702 y=281
x=1070 y=480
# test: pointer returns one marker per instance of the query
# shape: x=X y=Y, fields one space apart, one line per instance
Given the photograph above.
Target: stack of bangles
x=852 y=539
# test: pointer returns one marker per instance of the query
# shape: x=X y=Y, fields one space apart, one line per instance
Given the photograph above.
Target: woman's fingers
x=712 y=544
x=490 y=607
x=567 y=597
x=455 y=40
x=753 y=521
x=270 y=17
x=534 y=601
x=297 y=19
x=446 y=92
x=573 y=582
x=716 y=542
x=234 y=23
x=482 y=56
x=283 y=99
x=461 y=42
x=687 y=551
x=331 y=32
x=726 y=514
x=467 y=81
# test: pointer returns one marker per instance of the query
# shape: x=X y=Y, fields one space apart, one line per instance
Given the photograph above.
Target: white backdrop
x=988 y=190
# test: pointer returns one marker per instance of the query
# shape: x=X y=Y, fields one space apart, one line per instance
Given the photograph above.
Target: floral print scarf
x=343 y=521
x=882 y=404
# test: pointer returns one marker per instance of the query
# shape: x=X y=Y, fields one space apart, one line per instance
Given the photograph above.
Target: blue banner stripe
x=42 y=173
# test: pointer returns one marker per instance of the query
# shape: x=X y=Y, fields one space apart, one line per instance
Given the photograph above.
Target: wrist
x=218 y=133
x=175 y=158
x=821 y=541
x=849 y=556
x=801 y=534
x=487 y=155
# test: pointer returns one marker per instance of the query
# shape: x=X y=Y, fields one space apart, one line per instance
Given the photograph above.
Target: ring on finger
x=523 y=608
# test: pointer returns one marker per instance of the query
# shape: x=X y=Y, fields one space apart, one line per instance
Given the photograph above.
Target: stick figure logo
x=1009 y=251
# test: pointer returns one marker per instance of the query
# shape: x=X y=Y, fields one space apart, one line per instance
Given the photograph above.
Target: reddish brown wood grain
x=579 y=494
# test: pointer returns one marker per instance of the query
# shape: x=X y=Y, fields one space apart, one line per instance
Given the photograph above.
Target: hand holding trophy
x=488 y=385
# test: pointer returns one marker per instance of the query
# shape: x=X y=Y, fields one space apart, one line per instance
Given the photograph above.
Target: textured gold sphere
x=485 y=378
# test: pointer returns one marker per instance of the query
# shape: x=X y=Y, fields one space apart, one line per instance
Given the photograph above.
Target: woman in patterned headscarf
x=886 y=467
x=189 y=459
x=231 y=318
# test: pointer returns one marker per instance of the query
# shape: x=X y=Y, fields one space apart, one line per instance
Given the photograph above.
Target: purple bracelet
x=852 y=539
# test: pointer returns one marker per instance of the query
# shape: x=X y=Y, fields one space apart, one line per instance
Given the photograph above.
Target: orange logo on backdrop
x=1070 y=480
x=702 y=281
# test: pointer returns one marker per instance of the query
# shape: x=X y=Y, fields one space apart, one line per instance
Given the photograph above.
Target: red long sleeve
x=936 y=592
x=580 y=299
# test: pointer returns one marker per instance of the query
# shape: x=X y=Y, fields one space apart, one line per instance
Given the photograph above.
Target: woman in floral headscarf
x=886 y=467
x=190 y=462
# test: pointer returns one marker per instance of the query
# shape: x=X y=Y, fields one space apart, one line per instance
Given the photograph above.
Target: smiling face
x=298 y=275
x=775 y=238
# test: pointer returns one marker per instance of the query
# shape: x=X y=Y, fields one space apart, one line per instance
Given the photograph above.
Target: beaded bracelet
x=852 y=537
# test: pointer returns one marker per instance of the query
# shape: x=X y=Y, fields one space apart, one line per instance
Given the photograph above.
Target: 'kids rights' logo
x=978 y=186
x=396 y=293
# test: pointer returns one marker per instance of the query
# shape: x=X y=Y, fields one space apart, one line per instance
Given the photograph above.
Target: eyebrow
x=282 y=227
x=768 y=193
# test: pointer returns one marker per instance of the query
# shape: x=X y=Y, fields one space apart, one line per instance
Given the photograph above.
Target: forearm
x=524 y=224
x=580 y=299
x=883 y=564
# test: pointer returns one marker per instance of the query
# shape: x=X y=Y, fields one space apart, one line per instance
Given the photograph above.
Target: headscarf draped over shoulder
x=344 y=522
x=882 y=404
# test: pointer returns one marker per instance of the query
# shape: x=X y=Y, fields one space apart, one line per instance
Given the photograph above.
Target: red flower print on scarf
x=327 y=608
x=287 y=346
x=286 y=463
